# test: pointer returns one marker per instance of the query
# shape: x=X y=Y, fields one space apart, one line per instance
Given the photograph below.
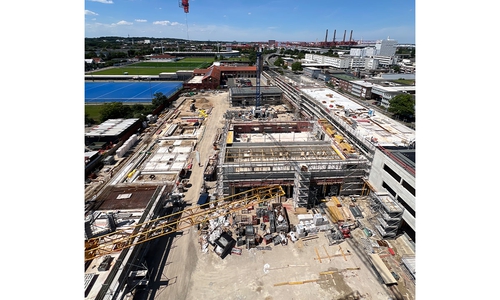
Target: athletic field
x=157 y=67
x=128 y=92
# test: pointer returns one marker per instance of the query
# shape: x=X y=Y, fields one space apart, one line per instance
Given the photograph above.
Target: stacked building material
x=347 y=213
x=336 y=201
x=356 y=212
x=334 y=212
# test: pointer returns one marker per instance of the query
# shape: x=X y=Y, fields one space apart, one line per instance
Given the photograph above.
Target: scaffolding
x=297 y=157
x=388 y=214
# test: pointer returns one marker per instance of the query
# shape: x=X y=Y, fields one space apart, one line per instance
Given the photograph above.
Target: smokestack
x=345 y=31
x=350 y=38
x=326 y=36
x=334 y=33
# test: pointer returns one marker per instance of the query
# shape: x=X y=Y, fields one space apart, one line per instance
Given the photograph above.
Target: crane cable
x=187 y=28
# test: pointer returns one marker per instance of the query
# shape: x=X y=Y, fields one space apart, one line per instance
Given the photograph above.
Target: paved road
x=173 y=258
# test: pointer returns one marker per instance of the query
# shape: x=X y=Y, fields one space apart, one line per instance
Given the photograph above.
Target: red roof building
x=211 y=78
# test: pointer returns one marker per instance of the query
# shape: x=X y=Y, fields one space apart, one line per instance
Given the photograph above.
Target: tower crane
x=257 y=110
x=185 y=4
x=147 y=231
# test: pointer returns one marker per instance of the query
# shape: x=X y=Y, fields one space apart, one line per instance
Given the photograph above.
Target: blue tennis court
x=132 y=92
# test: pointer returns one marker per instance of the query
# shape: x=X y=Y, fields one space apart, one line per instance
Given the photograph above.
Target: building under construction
x=301 y=156
x=244 y=96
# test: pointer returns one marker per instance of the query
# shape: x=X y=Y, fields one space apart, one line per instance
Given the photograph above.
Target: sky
x=251 y=21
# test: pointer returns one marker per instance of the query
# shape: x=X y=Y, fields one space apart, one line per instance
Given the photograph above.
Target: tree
x=297 y=66
x=90 y=54
x=115 y=110
x=402 y=105
x=89 y=120
x=279 y=61
x=252 y=57
x=138 y=107
x=159 y=99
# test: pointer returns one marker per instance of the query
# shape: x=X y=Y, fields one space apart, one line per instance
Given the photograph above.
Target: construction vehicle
x=345 y=230
x=181 y=219
x=203 y=113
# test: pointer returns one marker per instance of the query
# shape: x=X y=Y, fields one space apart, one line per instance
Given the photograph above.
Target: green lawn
x=405 y=81
x=93 y=110
x=155 y=68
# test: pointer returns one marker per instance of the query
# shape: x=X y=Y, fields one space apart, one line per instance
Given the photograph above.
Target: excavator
x=140 y=233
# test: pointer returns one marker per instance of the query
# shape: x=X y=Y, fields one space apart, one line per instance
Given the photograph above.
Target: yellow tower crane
x=140 y=233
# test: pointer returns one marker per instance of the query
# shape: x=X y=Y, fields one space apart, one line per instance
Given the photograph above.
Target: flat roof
x=111 y=127
x=364 y=121
x=345 y=77
x=137 y=198
x=332 y=98
x=196 y=79
x=363 y=83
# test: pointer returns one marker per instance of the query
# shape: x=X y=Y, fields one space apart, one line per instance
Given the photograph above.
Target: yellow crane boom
x=140 y=233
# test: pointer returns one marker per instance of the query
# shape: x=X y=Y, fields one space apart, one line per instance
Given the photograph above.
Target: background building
x=386 y=47
x=112 y=131
x=244 y=96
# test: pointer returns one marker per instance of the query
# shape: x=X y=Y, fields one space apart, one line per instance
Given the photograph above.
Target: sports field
x=128 y=92
x=157 y=67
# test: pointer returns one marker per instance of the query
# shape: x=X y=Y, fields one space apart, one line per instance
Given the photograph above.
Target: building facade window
x=392 y=173
x=388 y=188
x=406 y=206
x=408 y=187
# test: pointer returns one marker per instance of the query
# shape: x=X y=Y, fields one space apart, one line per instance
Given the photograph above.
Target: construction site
x=216 y=200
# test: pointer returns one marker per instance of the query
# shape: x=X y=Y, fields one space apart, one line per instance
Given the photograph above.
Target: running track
x=132 y=92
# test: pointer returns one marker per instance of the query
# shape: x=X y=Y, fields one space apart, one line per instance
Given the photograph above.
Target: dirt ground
x=299 y=270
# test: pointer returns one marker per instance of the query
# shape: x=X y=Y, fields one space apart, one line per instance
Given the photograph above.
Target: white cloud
x=123 y=23
x=103 y=1
x=161 y=23
x=166 y=23
x=140 y=21
x=88 y=12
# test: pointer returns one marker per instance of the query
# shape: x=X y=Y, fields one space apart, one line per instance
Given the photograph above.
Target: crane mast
x=257 y=110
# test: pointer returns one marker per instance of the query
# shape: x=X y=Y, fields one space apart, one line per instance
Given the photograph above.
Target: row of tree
x=118 y=110
x=402 y=107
